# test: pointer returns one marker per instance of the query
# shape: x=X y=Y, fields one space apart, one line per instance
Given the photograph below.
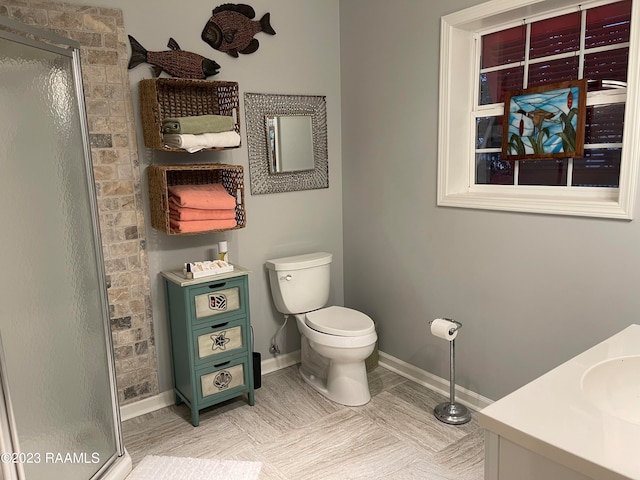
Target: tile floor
x=298 y=434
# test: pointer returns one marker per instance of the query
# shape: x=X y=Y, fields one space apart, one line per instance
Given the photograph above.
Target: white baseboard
x=166 y=398
x=148 y=405
x=466 y=397
x=279 y=362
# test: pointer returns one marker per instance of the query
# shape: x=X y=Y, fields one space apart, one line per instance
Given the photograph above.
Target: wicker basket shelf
x=161 y=177
x=162 y=98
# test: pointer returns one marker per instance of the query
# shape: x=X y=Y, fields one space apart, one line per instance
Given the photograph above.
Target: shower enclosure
x=59 y=417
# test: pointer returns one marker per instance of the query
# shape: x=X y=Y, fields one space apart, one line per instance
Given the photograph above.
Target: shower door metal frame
x=8 y=431
x=70 y=49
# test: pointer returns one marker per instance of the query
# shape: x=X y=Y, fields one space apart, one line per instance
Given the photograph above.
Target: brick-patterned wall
x=104 y=58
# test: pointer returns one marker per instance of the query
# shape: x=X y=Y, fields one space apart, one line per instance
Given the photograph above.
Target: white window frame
x=456 y=136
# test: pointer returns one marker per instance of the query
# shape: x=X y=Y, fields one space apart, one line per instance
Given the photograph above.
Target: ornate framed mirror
x=287 y=142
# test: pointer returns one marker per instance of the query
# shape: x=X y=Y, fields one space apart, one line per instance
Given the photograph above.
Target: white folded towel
x=194 y=143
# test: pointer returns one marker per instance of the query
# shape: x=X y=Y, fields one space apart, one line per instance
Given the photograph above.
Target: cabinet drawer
x=220 y=338
x=218 y=298
x=230 y=376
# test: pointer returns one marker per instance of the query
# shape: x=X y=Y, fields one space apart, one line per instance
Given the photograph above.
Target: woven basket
x=163 y=176
x=162 y=98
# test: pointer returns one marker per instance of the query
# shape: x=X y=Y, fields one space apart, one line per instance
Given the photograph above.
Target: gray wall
x=531 y=290
x=302 y=58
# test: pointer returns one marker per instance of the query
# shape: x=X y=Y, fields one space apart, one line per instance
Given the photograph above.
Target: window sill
x=604 y=205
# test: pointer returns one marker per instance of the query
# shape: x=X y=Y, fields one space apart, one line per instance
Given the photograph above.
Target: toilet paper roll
x=441 y=327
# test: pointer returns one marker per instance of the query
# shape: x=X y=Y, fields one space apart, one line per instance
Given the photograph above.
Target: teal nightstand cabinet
x=211 y=345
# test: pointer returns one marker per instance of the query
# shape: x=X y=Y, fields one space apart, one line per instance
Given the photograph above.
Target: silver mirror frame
x=257 y=106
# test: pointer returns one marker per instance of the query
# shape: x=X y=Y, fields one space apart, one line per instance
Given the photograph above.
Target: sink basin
x=614 y=387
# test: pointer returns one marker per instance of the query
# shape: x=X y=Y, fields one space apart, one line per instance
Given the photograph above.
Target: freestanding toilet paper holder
x=451 y=412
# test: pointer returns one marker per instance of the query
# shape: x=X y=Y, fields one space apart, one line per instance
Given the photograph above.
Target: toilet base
x=346 y=384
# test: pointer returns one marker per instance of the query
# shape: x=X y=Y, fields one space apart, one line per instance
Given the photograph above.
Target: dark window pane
x=598 y=168
x=543 y=172
x=608 y=24
x=606 y=70
x=604 y=123
x=555 y=35
x=489 y=132
x=493 y=85
x=490 y=170
x=503 y=47
x=554 y=71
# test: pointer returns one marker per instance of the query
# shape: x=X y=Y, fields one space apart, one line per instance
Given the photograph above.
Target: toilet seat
x=340 y=321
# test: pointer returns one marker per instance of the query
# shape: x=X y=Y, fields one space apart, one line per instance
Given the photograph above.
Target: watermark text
x=50 y=457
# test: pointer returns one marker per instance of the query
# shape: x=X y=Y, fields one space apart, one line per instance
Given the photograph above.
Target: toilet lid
x=341 y=321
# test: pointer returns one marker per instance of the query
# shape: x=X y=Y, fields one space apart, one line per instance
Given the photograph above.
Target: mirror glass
x=289 y=143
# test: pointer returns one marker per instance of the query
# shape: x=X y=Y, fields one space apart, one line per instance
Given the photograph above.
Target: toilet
x=335 y=341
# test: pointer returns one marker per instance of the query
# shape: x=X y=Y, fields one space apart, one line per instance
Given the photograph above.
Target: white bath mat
x=154 y=467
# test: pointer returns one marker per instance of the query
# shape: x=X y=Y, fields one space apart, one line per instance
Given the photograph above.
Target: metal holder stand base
x=452 y=413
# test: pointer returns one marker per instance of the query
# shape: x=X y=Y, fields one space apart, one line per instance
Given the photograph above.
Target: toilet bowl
x=346 y=348
x=336 y=340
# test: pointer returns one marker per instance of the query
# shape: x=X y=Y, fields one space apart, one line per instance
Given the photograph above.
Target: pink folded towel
x=209 y=196
x=200 y=225
x=188 y=214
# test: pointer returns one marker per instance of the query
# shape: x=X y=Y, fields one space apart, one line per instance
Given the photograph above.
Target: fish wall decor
x=231 y=29
x=175 y=62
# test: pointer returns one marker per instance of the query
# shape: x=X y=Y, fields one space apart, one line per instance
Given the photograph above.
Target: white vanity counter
x=555 y=428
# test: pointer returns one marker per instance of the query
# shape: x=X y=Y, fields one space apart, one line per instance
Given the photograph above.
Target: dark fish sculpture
x=175 y=62
x=231 y=29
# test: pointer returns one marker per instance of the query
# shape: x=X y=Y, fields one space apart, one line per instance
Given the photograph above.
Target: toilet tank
x=300 y=283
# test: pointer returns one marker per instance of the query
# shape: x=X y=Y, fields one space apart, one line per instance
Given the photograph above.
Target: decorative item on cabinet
x=211 y=342
x=161 y=177
x=162 y=98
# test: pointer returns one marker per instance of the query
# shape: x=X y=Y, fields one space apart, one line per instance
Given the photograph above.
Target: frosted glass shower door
x=52 y=288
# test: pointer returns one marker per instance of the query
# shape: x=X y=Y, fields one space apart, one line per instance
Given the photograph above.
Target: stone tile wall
x=104 y=58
